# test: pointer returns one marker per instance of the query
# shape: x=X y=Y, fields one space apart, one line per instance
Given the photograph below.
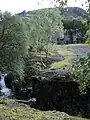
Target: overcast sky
x=15 y=6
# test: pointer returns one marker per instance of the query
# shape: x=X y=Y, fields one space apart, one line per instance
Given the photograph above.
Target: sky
x=16 y=6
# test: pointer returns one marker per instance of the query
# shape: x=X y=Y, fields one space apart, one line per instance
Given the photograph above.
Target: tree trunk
x=42 y=60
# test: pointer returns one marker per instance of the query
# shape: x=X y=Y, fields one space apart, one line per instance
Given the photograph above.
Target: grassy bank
x=87 y=45
x=62 y=64
x=66 y=52
x=69 y=53
x=57 y=52
x=11 y=110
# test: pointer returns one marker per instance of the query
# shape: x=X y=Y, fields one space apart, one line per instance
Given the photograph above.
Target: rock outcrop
x=74 y=13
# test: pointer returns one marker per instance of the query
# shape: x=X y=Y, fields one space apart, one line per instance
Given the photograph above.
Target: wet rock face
x=8 y=81
x=54 y=89
x=61 y=96
x=60 y=92
x=52 y=95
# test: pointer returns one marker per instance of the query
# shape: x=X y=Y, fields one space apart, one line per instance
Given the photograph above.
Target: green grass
x=58 y=51
x=87 y=45
x=62 y=64
x=10 y=110
x=66 y=52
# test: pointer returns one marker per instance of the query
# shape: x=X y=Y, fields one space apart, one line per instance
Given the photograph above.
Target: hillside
x=67 y=13
x=74 y=13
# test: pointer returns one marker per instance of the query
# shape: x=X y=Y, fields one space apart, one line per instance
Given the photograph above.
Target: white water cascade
x=4 y=91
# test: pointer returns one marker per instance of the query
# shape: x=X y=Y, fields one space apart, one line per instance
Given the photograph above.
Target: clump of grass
x=62 y=64
x=87 y=45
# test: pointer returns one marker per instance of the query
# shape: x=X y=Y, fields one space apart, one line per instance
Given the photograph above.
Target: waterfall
x=2 y=82
x=4 y=91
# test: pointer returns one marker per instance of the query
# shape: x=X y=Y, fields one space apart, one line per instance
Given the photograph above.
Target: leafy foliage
x=73 y=26
x=81 y=72
x=18 y=35
x=88 y=40
x=45 y=25
x=88 y=35
x=13 y=44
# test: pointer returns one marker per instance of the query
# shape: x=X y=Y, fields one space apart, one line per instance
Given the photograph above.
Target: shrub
x=81 y=71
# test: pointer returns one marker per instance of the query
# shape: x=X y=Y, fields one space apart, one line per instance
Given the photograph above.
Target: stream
x=4 y=91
